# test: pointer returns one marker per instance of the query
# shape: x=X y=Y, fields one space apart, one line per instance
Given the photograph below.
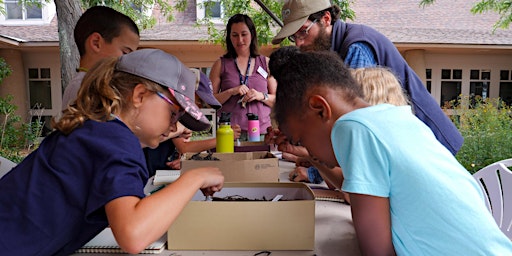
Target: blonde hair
x=380 y=85
x=103 y=91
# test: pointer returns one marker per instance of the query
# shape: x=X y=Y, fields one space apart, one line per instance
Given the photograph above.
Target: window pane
x=457 y=74
x=479 y=89
x=429 y=86
x=450 y=90
x=213 y=8
x=446 y=74
x=34 y=12
x=504 y=75
x=429 y=74
x=40 y=94
x=45 y=73
x=486 y=75
x=13 y=10
x=475 y=74
x=33 y=73
x=506 y=92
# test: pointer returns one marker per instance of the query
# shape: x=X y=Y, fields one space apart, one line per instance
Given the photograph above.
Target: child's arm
x=136 y=222
x=193 y=146
x=372 y=222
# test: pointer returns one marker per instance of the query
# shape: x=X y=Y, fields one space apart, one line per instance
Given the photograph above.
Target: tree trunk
x=68 y=12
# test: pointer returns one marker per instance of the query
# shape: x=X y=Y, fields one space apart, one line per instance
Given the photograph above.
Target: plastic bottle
x=225 y=135
x=253 y=127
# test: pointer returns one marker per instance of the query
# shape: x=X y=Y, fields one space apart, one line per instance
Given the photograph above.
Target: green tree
x=68 y=12
x=502 y=7
x=5 y=70
x=264 y=23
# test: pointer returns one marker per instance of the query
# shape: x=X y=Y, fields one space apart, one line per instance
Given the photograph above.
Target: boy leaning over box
x=409 y=195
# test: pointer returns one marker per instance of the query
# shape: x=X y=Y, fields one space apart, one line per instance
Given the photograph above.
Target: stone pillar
x=16 y=83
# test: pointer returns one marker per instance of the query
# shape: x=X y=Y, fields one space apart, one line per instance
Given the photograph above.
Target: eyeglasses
x=174 y=116
x=301 y=34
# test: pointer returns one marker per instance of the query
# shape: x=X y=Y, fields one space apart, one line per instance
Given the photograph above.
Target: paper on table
x=163 y=177
x=105 y=242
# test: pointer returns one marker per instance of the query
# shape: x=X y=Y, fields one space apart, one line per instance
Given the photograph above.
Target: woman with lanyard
x=240 y=78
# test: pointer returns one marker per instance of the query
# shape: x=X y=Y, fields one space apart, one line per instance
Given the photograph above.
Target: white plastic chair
x=495 y=180
x=5 y=165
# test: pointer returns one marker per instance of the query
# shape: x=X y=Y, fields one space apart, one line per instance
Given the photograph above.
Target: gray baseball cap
x=204 y=89
x=166 y=70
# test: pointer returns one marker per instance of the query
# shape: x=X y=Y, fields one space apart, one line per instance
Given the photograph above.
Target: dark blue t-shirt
x=53 y=202
x=156 y=158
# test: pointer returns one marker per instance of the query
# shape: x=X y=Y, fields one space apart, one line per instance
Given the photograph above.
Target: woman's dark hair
x=237 y=18
x=334 y=10
x=104 y=20
x=307 y=70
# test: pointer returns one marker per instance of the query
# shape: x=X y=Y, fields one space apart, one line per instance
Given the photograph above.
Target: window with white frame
x=19 y=10
x=428 y=81
x=451 y=83
x=506 y=86
x=40 y=88
x=211 y=7
x=479 y=83
x=27 y=13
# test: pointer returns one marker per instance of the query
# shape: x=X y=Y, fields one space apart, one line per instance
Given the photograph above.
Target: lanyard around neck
x=242 y=79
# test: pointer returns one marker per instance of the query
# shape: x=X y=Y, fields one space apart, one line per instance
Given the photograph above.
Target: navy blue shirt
x=344 y=35
x=53 y=202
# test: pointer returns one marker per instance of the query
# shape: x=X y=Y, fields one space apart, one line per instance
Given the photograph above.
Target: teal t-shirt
x=436 y=206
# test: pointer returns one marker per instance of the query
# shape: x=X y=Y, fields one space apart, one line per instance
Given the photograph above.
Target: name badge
x=262 y=72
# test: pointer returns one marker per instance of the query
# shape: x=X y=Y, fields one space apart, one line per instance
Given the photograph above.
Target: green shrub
x=486 y=126
x=5 y=70
x=17 y=139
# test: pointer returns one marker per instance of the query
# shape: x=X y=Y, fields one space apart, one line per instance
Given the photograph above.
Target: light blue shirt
x=436 y=206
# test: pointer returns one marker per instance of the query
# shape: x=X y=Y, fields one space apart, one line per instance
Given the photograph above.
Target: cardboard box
x=251 y=146
x=258 y=166
x=287 y=224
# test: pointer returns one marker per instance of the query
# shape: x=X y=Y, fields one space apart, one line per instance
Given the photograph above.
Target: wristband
x=265 y=96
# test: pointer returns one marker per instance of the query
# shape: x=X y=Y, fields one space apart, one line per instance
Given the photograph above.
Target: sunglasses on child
x=176 y=115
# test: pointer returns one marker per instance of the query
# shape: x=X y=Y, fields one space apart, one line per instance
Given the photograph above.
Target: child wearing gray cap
x=90 y=172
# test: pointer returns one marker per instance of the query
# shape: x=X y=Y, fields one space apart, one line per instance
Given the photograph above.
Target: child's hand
x=174 y=164
x=237 y=131
x=271 y=135
x=299 y=174
x=213 y=180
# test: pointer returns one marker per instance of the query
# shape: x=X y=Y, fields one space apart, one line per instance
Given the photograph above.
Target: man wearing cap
x=315 y=25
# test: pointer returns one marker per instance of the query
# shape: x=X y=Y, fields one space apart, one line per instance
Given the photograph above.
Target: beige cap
x=295 y=13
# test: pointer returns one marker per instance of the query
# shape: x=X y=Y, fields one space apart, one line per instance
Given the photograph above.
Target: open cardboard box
x=287 y=224
x=258 y=166
x=250 y=146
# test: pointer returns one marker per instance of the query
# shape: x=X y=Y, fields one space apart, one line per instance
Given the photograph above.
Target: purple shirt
x=230 y=78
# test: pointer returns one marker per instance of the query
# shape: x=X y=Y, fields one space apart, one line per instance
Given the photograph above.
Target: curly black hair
x=306 y=70
x=280 y=57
